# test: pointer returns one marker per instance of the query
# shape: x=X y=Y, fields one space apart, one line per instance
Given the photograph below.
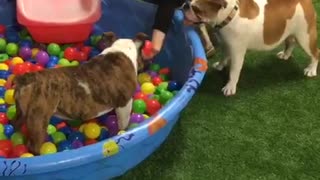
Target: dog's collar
x=229 y=18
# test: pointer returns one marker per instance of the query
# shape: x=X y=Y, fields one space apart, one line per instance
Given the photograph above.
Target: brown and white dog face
x=198 y=11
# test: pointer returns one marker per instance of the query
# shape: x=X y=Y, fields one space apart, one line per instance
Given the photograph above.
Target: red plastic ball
x=18 y=150
x=78 y=45
x=140 y=95
x=8 y=62
x=90 y=141
x=156 y=80
x=165 y=71
x=153 y=106
x=148 y=47
x=24 y=130
x=2 y=29
x=70 y=53
x=28 y=66
x=3 y=154
x=19 y=69
x=3 y=118
x=6 y=146
x=61 y=125
x=86 y=50
x=81 y=56
x=36 y=68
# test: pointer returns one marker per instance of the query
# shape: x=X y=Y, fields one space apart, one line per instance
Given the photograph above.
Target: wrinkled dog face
x=203 y=10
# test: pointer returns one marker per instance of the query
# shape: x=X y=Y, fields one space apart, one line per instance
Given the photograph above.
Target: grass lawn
x=269 y=130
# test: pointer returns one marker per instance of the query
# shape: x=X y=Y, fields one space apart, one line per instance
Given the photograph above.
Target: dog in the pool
x=106 y=82
x=258 y=25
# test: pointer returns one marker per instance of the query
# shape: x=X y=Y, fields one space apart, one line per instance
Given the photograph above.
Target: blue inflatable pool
x=183 y=53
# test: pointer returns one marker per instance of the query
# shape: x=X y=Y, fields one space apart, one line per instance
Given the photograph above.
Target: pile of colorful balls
x=19 y=54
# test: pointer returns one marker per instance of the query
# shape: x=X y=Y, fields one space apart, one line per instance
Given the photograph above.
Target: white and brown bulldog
x=258 y=25
x=106 y=82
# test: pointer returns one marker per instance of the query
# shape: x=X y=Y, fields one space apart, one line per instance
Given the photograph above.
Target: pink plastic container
x=59 y=21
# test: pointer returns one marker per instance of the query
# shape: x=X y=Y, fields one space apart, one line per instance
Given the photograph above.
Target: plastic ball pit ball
x=69 y=150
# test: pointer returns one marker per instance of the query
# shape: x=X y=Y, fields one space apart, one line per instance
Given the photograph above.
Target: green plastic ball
x=23 y=33
x=159 y=90
x=95 y=39
x=61 y=54
x=3 y=57
x=1 y=128
x=12 y=49
x=156 y=97
x=74 y=63
x=3 y=136
x=164 y=77
x=11 y=112
x=64 y=62
x=27 y=38
x=133 y=125
x=165 y=96
x=17 y=138
x=155 y=67
x=139 y=106
x=53 y=49
x=163 y=85
x=51 y=129
x=3 y=45
x=57 y=137
x=75 y=123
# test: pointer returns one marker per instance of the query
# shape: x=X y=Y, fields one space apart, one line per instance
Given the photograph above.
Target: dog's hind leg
x=288 y=48
x=123 y=115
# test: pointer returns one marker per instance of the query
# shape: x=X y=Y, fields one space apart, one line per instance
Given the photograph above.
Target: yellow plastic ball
x=17 y=60
x=2 y=101
x=81 y=128
x=146 y=116
x=2 y=82
x=148 y=88
x=34 y=52
x=121 y=132
x=26 y=155
x=4 y=67
x=48 y=148
x=144 y=77
x=92 y=130
x=8 y=96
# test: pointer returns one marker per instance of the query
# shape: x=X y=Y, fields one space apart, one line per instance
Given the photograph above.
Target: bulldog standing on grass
x=106 y=82
x=258 y=25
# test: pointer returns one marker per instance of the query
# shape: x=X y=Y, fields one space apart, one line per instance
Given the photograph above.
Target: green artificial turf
x=269 y=130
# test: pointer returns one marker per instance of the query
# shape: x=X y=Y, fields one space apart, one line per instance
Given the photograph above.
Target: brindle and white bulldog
x=258 y=25
x=106 y=82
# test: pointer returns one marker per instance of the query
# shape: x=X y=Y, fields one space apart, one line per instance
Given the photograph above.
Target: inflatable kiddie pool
x=183 y=53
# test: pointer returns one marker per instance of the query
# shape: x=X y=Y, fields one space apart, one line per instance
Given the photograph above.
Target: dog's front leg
x=123 y=115
x=237 y=54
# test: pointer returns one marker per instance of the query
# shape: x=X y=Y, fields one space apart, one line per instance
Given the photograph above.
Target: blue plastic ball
x=104 y=134
x=51 y=64
x=173 y=86
x=76 y=144
x=66 y=130
x=2 y=91
x=4 y=74
x=76 y=136
x=3 y=108
x=8 y=130
x=54 y=59
x=55 y=120
x=12 y=36
x=94 y=52
x=64 y=146
x=25 y=43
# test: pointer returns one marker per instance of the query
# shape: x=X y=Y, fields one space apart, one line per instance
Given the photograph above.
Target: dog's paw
x=218 y=66
x=310 y=71
x=283 y=56
x=230 y=89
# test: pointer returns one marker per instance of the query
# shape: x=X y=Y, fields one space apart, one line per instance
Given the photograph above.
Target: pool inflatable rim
x=87 y=154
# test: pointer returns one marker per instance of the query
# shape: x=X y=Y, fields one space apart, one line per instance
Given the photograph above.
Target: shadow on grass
x=260 y=71
x=162 y=160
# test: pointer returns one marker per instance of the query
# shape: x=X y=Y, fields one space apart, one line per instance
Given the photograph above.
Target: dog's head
x=202 y=11
x=130 y=47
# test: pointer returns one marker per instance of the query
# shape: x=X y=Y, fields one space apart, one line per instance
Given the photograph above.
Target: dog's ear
x=141 y=38
x=107 y=39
